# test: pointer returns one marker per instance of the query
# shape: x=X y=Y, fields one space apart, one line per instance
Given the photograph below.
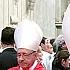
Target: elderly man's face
x=26 y=57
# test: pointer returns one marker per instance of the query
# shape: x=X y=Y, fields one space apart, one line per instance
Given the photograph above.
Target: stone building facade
x=47 y=13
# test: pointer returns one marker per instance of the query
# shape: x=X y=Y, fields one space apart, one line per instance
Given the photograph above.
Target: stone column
x=5 y=13
x=1 y=13
x=44 y=15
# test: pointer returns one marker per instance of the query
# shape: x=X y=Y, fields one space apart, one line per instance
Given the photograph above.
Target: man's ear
x=42 y=45
x=1 y=43
x=35 y=53
x=63 y=62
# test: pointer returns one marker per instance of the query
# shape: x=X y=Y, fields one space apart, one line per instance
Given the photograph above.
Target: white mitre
x=66 y=27
x=28 y=35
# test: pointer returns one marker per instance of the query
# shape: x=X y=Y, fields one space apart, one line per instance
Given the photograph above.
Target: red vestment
x=38 y=67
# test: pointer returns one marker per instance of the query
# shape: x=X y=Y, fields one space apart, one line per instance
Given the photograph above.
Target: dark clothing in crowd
x=8 y=59
x=58 y=67
x=57 y=63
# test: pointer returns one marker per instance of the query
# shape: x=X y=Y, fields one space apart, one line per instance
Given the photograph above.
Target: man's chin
x=23 y=65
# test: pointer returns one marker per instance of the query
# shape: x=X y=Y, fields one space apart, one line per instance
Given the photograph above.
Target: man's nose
x=21 y=58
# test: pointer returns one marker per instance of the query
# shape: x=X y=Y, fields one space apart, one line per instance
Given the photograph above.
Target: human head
x=63 y=58
x=7 y=36
x=42 y=44
x=59 y=44
x=48 y=45
x=28 y=36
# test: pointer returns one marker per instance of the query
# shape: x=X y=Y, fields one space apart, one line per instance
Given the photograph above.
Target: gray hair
x=58 y=41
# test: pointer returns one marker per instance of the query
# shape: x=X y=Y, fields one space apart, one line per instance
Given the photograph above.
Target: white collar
x=34 y=65
x=7 y=48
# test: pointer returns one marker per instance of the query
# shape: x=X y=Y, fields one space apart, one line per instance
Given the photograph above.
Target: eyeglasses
x=24 y=55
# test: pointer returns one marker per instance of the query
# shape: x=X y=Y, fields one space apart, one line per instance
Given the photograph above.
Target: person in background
x=47 y=51
x=8 y=56
x=28 y=36
x=62 y=61
x=59 y=44
x=49 y=45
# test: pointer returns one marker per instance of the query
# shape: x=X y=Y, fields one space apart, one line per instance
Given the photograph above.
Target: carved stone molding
x=15 y=1
x=30 y=4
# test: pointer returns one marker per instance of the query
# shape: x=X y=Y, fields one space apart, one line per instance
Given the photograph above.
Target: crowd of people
x=26 y=48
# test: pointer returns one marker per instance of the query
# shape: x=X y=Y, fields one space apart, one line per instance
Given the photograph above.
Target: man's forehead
x=47 y=41
x=24 y=50
x=49 y=45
